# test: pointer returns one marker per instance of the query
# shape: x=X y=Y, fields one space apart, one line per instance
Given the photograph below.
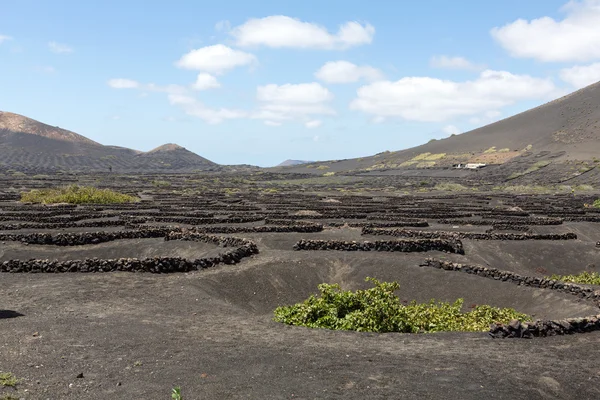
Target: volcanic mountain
x=558 y=141
x=26 y=144
x=288 y=163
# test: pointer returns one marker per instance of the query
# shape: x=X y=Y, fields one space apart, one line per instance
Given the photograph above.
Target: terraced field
x=128 y=301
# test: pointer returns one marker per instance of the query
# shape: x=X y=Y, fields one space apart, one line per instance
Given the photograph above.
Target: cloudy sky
x=262 y=81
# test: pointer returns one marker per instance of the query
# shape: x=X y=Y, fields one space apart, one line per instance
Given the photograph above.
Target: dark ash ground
x=137 y=335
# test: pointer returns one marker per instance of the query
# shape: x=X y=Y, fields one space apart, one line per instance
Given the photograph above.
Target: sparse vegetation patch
x=586 y=278
x=76 y=194
x=378 y=309
x=8 y=380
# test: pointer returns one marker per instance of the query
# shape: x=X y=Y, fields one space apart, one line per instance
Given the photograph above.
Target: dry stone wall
x=418 y=245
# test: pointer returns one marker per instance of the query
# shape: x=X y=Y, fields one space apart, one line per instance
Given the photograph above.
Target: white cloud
x=4 y=38
x=292 y=101
x=272 y=123
x=223 y=26
x=313 y=124
x=301 y=93
x=447 y=62
x=280 y=31
x=193 y=107
x=59 y=48
x=346 y=72
x=120 y=83
x=451 y=130
x=574 y=38
x=206 y=81
x=215 y=59
x=580 y=76
x=436 y=100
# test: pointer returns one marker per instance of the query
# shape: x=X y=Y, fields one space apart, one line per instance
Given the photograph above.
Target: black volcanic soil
x=137 y=335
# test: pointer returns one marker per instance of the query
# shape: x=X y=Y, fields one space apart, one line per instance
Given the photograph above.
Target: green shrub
x=8 y=380
x=378 y=309
x=75 y=194
x=587 y=278
x=596 y=204
x=161 y=183
x=176 y=393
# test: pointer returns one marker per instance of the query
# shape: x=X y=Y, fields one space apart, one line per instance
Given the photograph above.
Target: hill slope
x=26 y=144
x=563 y=132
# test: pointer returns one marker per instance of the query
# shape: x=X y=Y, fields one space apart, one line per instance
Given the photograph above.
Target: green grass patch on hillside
x=378 y=309
x=76 y=194
x=429 y=157
x=596 y=204
x=587 y=278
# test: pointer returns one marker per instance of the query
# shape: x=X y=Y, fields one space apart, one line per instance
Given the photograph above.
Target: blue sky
x=263 y=81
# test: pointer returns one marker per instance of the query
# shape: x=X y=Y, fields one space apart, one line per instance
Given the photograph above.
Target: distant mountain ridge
x=27 y=144
x=288 y=163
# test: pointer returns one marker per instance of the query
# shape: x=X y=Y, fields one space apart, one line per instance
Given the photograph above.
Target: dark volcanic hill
x=26 y=144
x=558 y=141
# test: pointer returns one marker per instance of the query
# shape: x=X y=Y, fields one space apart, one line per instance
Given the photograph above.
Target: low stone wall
x=461 y=222
x=508 y=227
x=416 y=224
x=78 y=239
x=194 y=236
x=262 y=229
x=516 y=221
x=51 y=219
x=467 y=235
x=539 y=328
x=84 y=224
x=407 y=246
x=528 y=220
x=204 y=221
x=286 y=222
x=581 y=291
x=418 y=214
x=153 y=265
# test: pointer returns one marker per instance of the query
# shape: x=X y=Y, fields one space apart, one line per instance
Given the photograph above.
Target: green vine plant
x=586 y=278
x=176 y=393
x=378 y=309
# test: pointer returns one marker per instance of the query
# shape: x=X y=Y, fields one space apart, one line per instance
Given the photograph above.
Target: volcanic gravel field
x=129 y=301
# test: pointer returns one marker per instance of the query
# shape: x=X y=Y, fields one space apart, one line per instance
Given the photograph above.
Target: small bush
x=379 y=310
x=596 y=204
x=586 y=278
x=322 y=167
x=8 y=380
x=161 y=183
x=176 y=393
x=75 y=194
